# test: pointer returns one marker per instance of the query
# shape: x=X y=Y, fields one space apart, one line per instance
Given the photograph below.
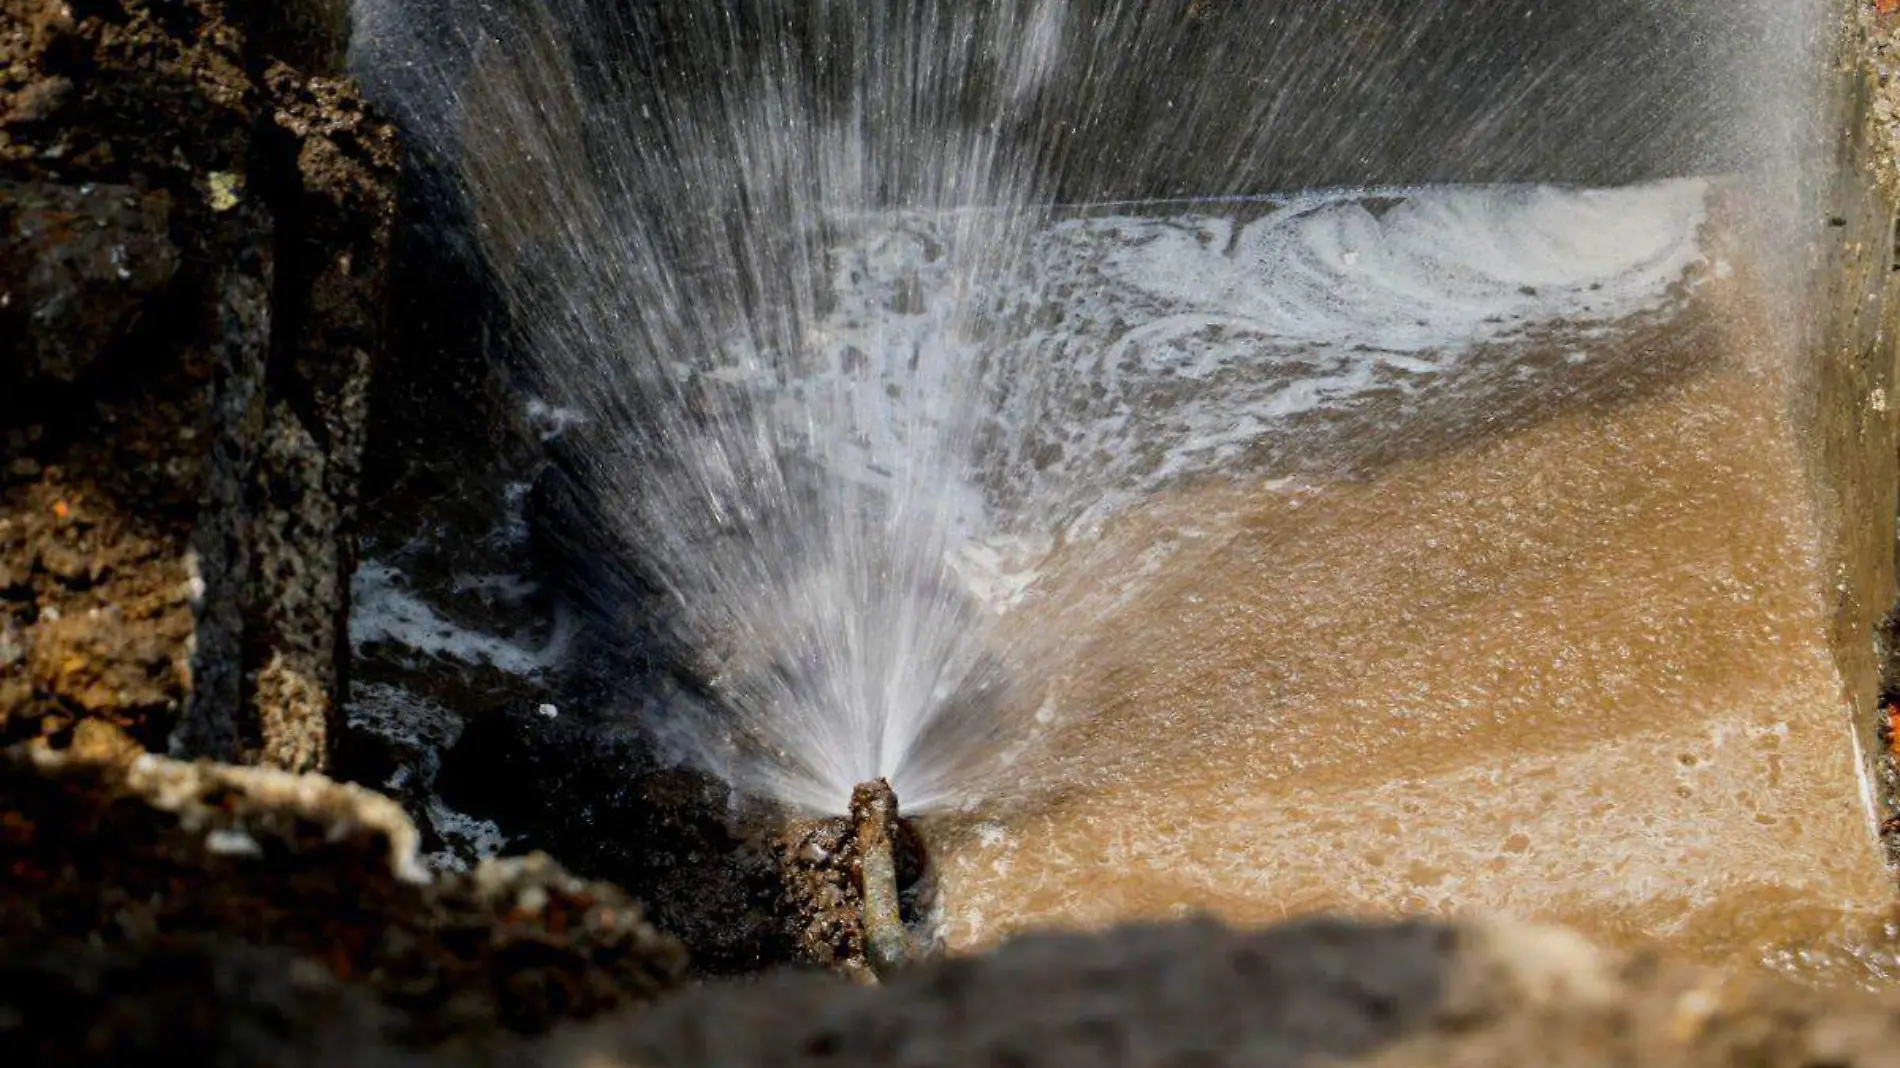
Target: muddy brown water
x=1578 y=671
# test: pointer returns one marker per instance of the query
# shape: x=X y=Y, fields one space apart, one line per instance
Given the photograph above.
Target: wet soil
x=1579 y=672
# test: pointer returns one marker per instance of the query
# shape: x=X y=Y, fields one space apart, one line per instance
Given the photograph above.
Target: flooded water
x=837 y=362
x=1574 y=667
x=1442 y=548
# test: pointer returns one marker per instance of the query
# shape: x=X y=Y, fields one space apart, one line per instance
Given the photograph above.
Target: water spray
x=887 y=945
x=854 y=309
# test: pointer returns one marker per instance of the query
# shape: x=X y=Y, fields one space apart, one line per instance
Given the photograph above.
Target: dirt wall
x=1853 y=326
x=195 y=239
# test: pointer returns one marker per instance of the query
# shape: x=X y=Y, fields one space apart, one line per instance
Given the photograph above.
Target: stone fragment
x=77 y=265
x=132 y=853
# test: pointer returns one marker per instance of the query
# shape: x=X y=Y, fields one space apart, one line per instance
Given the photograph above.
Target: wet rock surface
x=592 y=794
x=82 y=262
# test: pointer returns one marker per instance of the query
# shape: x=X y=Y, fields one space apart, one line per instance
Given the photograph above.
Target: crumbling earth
x=112 y=854
x=195 y=214
x=196 y=217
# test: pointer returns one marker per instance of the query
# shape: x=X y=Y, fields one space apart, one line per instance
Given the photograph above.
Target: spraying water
x=843 y=357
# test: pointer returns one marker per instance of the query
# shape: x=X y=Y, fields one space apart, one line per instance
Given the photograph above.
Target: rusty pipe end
x=874 y=813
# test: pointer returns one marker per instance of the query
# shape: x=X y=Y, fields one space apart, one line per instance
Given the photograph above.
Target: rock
x=78 y=265
x=313 y=34
x=311 y=459
x=1336 y=992
x=296 y=587
x=98 y=742
x=105 y=665
x=69 y=565
x=193 y=244
x=37 y=101
x=593 y=794
x=226 y=1003
x=131 y=854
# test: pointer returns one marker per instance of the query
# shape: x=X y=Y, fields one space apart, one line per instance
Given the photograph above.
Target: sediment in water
x=1608 y=665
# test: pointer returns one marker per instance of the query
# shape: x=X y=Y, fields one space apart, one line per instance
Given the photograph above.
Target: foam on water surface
x=1408 y=271
x=384 y=609
x=1155 y=349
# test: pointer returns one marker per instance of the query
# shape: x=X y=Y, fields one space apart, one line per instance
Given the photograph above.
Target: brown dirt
x=1862 y=202
x=195 y=237
x=111 y=855
x=1320 y=992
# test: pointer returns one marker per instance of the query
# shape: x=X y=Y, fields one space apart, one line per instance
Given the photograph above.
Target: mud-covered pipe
x=874 y=814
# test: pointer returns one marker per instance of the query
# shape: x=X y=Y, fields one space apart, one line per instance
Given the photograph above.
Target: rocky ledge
x=197 y=212
x=195 y=217
x=117 y=859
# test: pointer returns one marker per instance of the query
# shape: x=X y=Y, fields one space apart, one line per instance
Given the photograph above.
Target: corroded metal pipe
x=874 y=814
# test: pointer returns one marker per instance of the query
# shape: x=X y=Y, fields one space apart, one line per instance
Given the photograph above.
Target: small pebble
x=232 y=843
x=224 y=190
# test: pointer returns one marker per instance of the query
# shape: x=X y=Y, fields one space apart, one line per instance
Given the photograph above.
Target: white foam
x=549 y=421
x=477 y=837
x=383 y=610
x=1429 y=271
x=1171 y=346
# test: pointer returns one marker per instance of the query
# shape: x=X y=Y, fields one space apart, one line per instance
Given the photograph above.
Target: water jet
x=960 y=415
